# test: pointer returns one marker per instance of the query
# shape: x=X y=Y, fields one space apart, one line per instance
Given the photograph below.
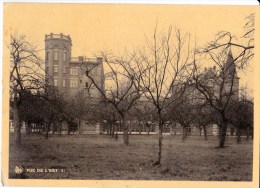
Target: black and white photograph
x=146 y=92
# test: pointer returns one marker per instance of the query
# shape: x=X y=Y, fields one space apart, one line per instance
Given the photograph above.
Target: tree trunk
x=160 y=123
x=160 y=142
x=26 y=127
x=116 y=129
x=125 y=136
x=47 y=130
x=223 y=133
x=107 y=127
x=68 y=128
x=238 y=135
x=140 y=128
x=184 y=133
x=200 y=129
x=205 y=132
x=54 y=127
x=60 y=127
x=247 y=132
x=17 y=125
x=130 y=127
x=112 y=129
x=79 y=126
x=171 y=129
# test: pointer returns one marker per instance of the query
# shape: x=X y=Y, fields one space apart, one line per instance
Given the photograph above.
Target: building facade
x=68 y=73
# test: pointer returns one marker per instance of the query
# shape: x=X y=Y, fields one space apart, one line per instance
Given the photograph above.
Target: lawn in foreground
x=101 y=157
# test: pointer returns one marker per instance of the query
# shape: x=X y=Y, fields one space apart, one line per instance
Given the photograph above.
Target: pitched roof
x=229 y=67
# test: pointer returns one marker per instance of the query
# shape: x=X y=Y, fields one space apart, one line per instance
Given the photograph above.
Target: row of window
x=56 y=55
x=73 y=83
x=73 y=71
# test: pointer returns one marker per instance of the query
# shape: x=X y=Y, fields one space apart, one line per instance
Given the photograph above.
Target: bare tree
x=26 y=74
x=51 y=107
x=220 y=84
x=243 y=46
x=182 y=112
x=144 y=113
x=241 y=115
x=205 y=116
x=31 y=111
x=122 y=90
x=81 y=106
x=165 y=72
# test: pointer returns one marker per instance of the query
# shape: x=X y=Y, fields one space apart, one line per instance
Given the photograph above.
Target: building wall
x=67 y=73
x=57 y=58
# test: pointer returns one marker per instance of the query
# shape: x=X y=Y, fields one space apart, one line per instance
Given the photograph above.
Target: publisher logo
x=18 y=169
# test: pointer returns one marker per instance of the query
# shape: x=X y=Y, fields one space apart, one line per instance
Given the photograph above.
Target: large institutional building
x=68 y=73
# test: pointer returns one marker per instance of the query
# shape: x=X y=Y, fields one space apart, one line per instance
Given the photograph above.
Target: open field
x=101 y=157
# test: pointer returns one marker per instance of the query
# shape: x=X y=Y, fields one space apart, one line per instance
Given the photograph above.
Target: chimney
x=214 y=67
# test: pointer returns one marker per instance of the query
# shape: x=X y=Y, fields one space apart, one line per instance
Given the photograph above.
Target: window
x=64 y=83
x=86 y=84
x=74 y=83
x=55 y=82
x=56 y=54
x=55 y=69
x=74 y=71
x=64 y=69
x=64 y=55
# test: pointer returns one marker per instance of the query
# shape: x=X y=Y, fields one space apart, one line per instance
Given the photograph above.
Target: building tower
x=231 y=77
x=57 y=57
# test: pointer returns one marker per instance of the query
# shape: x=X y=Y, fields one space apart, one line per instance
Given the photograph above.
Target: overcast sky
x=95 y=28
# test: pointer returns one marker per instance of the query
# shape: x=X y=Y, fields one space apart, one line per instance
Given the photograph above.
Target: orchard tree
x=31 y=111
x=144 y=113
x=122 y=89
x=241 y=115
x=55 y=108
x=183 y=112
x=219 y=86
x=165 y=73
x=204 y=117
x=81 y=106
x=26 y=75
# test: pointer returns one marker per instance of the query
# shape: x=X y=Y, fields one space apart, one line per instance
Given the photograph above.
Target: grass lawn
x=101 y=157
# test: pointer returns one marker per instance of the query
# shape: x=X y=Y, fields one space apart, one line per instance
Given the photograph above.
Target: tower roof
x=229 y=66
x=230 y=58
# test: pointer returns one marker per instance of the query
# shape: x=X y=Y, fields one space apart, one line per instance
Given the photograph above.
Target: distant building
x=224 y=81
x=68 y=73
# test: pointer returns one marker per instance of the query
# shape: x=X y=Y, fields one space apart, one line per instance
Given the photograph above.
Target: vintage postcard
x=130 y=95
